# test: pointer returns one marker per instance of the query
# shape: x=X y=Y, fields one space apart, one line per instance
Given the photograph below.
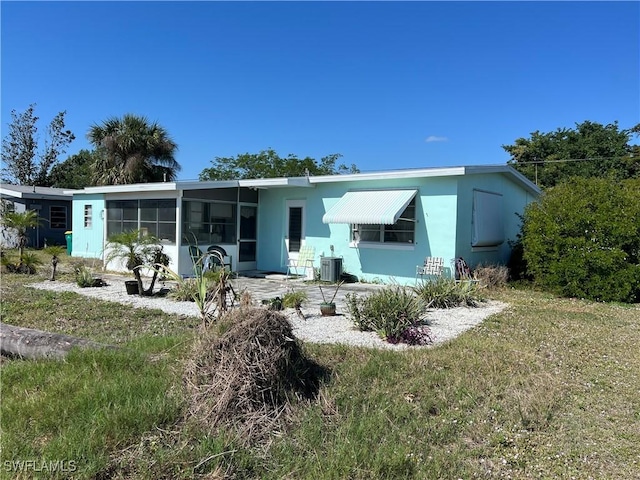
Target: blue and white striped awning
x=370 y=207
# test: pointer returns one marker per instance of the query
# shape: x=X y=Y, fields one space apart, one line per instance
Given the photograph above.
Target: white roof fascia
x=276 y=182
x=509 y=171
x=391 y=174
x=5 y=192
x=42 y=193
x=207 y=185
x=130 y=188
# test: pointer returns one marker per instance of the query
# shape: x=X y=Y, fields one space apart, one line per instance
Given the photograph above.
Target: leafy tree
x=75 y=172
x=268 y=164
x=24 y=164
x=132 y=150
x=583 y=239
x=589 y=150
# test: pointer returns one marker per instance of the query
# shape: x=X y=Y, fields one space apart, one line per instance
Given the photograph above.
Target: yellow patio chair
x=304 y=260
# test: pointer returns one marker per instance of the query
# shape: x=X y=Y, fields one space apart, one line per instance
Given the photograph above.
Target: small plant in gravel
x=390 y=312
x=84 y=278
x=295 y=299
x=274 y=304
x=211 y=291
x=184 y=291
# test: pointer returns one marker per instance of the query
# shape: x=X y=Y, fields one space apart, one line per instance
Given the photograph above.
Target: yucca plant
x=447 y=293
x=209 y=290
x=389 y=311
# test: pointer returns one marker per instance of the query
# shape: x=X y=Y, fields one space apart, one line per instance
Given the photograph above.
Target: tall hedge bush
x=583 y=239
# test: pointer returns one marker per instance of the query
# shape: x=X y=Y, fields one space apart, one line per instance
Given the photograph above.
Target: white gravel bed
x=445 y=324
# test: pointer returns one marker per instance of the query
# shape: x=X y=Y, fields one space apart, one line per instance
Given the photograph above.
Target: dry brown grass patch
x=492 y=276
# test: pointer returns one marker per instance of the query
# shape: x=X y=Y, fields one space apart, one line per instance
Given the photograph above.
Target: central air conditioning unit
x=330 y=269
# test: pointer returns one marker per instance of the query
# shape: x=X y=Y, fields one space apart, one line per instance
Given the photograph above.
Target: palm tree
x=137 y=251
x=21 y=222
x=132 y=150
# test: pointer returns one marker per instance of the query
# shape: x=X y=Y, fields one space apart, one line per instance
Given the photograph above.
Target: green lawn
x=550 y=388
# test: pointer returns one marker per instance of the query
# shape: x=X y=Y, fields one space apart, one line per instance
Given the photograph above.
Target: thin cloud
x=435 y=138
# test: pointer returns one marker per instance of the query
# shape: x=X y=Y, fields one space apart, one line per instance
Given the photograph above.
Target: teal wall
x=515 y=199
x=87 y=242
x=435 y=230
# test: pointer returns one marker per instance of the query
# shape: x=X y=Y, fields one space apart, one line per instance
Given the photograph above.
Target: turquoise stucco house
x=381 y=225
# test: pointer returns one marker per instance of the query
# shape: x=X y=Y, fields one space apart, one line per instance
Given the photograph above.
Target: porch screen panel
x=207 y=223
x=157 y=217
x=223 y=222
x=122 y=216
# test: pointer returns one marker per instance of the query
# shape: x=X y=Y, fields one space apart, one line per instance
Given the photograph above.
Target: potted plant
x=136 y=251
x=328 y=309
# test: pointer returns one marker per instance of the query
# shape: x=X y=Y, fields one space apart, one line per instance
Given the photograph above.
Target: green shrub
x=447 y=293
x=27 y=263
x=389 y=311
x=583 y=239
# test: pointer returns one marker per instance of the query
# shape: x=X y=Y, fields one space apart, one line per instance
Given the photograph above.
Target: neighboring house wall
x=54 y=212
x=88 y=225
x=54 y=217
x=8 y=237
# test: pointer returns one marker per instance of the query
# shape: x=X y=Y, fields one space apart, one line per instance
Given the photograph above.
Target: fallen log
x=33 y=344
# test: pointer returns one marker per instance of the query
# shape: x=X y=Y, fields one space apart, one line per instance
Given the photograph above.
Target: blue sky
x=386 y=84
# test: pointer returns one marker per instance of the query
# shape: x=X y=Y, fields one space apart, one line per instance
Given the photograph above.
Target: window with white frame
x=403 y=231
x=88 y=216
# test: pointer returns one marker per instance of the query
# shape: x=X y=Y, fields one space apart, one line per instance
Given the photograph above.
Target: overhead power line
x=571 y=160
